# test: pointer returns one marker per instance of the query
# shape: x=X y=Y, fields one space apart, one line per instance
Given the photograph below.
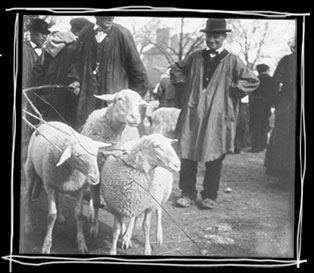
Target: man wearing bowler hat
x=212 y=81
x=32 y=50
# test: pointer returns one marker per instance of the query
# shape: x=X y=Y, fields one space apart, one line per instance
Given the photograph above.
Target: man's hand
x=75 y=87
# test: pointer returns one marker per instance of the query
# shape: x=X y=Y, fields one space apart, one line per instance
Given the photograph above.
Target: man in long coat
x=212 y=80
x=32 y=50
x=106 y=62
x=53 y=68
x=280 y=153
x=260 y=104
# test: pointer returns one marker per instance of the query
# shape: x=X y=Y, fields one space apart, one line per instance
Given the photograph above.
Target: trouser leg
x=212 y=178
x=187 y=182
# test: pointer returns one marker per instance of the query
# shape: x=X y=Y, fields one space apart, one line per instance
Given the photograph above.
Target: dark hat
x=262 y=68
x=78 y=23
x=215 y=25
x=39 y=26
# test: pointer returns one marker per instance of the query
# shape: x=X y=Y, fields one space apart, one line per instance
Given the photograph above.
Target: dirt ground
x=254 y=219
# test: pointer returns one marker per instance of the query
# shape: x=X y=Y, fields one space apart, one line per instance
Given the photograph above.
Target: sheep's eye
x=160 y=149
x=121 y=99
x=79 y=157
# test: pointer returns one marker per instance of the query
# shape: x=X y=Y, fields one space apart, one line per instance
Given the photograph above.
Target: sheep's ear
x=106 y=97
x=143 y=103
x=172 y=141
x=102 y=145
x=65 y=156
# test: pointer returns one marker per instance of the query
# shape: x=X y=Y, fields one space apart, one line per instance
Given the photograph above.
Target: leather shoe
x=207 y=203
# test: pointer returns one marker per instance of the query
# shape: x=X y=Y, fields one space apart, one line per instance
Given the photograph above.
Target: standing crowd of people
x=224 y=105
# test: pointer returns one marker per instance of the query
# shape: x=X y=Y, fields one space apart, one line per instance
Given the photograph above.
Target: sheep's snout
x=175 y=166
x=92 y=179
x=133 y=119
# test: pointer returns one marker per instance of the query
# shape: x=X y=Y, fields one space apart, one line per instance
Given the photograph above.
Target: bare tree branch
x=260 y=45
x=195 y=45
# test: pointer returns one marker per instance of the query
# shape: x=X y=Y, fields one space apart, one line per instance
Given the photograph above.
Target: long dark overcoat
x=55 y=70
x=120 y=67
x=207 y=124
x=280 y=154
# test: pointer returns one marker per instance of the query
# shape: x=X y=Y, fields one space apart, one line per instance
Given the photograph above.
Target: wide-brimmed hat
x=215 y=26
x=39 y=26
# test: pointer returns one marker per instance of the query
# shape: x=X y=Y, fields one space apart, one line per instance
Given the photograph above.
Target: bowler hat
x=79 y=23
x=215 y=25
x=39 y=26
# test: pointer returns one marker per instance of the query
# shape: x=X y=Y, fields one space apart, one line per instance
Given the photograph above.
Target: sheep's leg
x=60 y=216
x=94 y=205
x=52 y=216
x=80 y=238
x=117 y=224
x=30 y=176
x=159 y=235
x=123 y=229
x=127 y=235
x=146 y=229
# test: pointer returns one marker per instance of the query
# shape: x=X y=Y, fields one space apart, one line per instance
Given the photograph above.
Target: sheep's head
x=82 y=155
x=126 y=108
x=157 y=150
x=164 y=121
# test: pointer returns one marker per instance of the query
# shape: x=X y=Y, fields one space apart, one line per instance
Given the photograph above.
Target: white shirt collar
x=32 y=44
x=219 y=50
x=99 y=35
x=37 y=49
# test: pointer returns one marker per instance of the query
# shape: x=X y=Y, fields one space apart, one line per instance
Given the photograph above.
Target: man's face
x=215 y=40
x=38 y=38
x=104 y=21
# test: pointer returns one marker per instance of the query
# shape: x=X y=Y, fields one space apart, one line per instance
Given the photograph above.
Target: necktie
x=100 y=29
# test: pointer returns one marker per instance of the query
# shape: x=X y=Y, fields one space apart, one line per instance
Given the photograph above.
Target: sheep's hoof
x=112 y=252
x=126 y=242
x=147 y=250
x=46 y=248
x=82 y=245
x=83 y=249
x=159 y=239
x=93 y=231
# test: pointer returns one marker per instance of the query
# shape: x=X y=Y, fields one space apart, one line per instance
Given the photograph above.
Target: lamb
x=107 y=125
x=127 y=184
x=55 y=149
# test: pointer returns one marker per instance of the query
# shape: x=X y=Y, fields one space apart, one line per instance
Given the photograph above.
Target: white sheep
x=127 y=184
x=107 y=125
x=55 y=149
x=163 y=121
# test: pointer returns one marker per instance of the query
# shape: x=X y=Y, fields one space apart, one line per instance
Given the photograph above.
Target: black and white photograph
x=173 y=136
